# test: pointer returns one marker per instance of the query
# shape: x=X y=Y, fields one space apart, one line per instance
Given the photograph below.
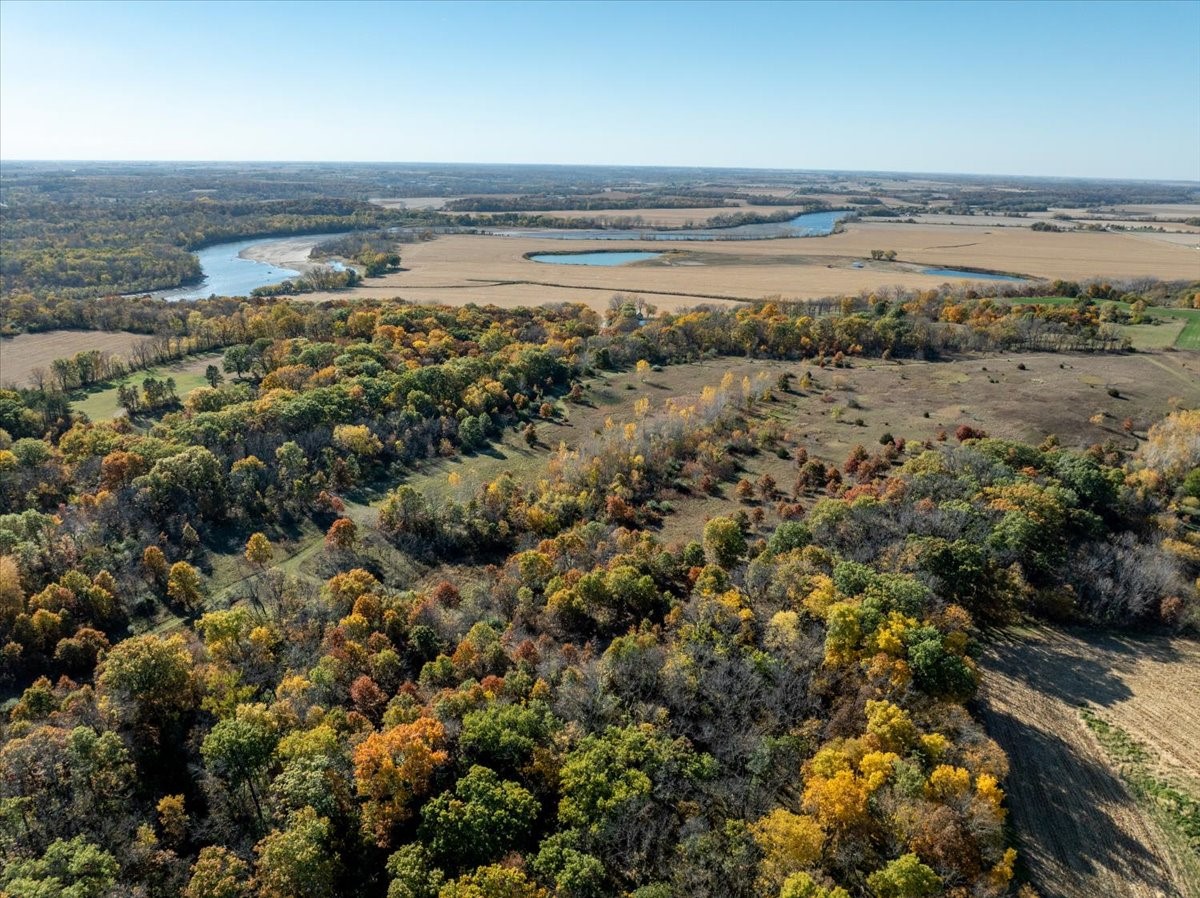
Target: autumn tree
x=789 y=843
x=342 y=535
x=259 y=550
x=154 y=563
x=493 y=881
x=185 y=586
x=394 y=767
x=905 y=877
x=724 y=543
x=149 y=681
x=218 y=873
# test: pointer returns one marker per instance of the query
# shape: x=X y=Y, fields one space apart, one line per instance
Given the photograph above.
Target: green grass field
x=101 y=404
x=1181 y=329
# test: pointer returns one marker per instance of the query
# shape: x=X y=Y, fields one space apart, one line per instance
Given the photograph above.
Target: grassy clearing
x=1175 y=809
x=101 y=404
x=1175 y=327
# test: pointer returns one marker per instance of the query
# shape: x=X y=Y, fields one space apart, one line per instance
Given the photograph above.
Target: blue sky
x=1086 y=89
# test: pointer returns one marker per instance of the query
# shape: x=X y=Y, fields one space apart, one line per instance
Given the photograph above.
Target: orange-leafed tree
x=342 y=535
x=394 y=767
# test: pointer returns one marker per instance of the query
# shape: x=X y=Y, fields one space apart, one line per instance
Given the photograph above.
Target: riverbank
x=286 y=252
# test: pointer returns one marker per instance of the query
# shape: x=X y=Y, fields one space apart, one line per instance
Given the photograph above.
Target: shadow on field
x=1056 y=664
x=1062 y=804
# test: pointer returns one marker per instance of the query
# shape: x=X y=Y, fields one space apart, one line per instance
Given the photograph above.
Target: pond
x=599 y=258
x=227 y=273
x=810 y=224
x=969 y=275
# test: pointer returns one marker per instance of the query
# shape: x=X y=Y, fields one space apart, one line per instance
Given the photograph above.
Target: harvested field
x=1080 y=831
x=1078 y=218
x=1161 y=210
x=464 y=268
x=410 y=202
x=21 y=354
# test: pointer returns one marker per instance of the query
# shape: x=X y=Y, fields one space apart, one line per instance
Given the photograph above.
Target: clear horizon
x=1102 y=90
x=484 y=164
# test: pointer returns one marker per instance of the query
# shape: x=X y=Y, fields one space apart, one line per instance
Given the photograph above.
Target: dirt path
x=1079 y=829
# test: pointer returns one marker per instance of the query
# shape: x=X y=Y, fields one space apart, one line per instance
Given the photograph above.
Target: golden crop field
x=465 y=268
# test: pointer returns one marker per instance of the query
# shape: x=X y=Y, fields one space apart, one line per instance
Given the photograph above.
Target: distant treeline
x=547 y=203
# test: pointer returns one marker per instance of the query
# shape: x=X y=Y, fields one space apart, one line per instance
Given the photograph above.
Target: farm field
x=21 y=354
x=1172 y=231
x=1080 y=829
x=102 y=405
x=465 y=268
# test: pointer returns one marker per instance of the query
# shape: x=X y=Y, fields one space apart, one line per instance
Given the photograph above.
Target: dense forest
x=523 y=691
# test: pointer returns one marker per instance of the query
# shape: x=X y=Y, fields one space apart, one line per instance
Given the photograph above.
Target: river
x=228 y=271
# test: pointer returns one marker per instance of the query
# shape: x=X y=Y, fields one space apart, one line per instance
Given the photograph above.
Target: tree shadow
x=1078 y=667
x=1062 y=805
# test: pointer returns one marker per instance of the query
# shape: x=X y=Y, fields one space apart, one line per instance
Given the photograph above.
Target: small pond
x=969 y=275
x=600 y=258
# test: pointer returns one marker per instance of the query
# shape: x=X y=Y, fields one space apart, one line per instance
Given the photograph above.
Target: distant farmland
x=21 y=354
x=460 y=269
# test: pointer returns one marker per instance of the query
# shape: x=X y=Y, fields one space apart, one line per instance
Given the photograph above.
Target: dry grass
x=1162 y=210
x=1080 y=831
x=890 y=397
x=987 y=392
x=21 y=354
x=460 y=269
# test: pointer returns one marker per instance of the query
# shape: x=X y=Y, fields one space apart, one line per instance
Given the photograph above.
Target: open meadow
x=100 y=403
x=1050 y=394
